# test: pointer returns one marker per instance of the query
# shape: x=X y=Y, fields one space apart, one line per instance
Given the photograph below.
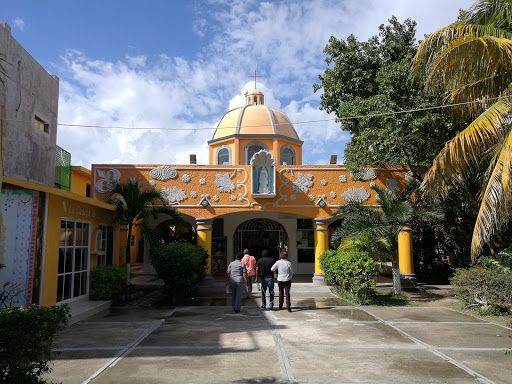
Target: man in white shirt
x=284 y=279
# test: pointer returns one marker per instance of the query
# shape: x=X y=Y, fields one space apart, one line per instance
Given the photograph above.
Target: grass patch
x=378 y=298
x=388 y=299
x=504 y=319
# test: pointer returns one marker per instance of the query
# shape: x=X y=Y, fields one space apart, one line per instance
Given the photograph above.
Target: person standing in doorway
x=250 y=264
x=284 y=278
x=237 y=279
x=266 y=276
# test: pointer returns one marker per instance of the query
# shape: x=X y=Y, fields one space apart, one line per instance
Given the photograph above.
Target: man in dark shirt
x=264 y=273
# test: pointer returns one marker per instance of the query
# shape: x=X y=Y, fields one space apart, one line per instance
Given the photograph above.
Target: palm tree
x=394 y=212
x=135 y=208
x=471 y=60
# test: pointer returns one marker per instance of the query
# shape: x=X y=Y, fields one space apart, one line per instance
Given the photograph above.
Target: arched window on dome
x=252 y=148
x=223 y=156
x=287 y=156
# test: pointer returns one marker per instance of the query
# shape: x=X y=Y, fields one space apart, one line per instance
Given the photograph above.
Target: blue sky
x=183 y=64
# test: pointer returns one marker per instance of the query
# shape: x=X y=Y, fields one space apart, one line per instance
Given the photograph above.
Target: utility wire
x=295 y=123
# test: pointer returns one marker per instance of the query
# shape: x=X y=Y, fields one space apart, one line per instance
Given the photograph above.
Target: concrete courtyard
x=321 y=341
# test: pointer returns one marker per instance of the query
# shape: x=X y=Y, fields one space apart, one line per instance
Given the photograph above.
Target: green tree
x=135 y=208
x=377 y=248
x=470 y=61
x=372 y=78
x=394 y=212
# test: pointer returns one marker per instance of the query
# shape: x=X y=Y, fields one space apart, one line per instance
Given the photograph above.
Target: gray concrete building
x=31 y=98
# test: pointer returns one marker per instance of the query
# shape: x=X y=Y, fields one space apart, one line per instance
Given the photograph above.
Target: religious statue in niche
x=263 y=170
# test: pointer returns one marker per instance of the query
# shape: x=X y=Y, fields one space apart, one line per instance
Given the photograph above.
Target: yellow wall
x=80 y=177
x=61 y=207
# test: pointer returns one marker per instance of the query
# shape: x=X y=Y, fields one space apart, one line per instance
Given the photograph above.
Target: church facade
x=256 y=193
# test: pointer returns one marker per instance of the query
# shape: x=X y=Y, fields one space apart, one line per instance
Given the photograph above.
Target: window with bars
x=73 y=269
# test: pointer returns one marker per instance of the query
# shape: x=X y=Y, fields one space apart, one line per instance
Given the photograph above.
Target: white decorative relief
x=359 y=195
x=185 y=178
x=303 y=183
x=107 y=180
x=216 y=198
x=372 y=184
x=324 y=182
x=366 y=175
x=163 y=173
x=293 y=197
x=224 y=183
x=152 y=183
x=175 y=194
x=193 y=194
x=409 y=177
x=392 y=185
x=233 y=197
x=343 y=178
x=311 y=197
x=333 y=195
x=202 y=181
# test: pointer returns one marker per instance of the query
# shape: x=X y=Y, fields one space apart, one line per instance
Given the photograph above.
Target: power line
x=293 y=123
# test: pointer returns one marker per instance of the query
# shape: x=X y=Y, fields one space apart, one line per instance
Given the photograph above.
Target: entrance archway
x=259 y=234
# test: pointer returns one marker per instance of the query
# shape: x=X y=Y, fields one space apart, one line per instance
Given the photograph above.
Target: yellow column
x=405 y=257
x=321 y=228
x=204 y=240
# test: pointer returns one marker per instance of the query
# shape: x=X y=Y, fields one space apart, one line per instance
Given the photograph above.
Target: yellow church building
x=256 y=193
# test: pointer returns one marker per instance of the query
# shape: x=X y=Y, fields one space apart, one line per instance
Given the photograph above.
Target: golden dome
x=255 y=119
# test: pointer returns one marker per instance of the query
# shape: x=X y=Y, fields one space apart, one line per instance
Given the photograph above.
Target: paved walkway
x=321 y=341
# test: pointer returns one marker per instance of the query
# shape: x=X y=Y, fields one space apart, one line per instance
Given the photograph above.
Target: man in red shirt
x=250 y=264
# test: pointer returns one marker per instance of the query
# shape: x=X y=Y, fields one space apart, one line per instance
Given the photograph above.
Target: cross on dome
x=255 y=77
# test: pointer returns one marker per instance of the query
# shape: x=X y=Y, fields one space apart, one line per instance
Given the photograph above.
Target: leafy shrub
x=352 y=271
x=180 y=265
x=26 y=341
x=483 y=287
x=107 y=281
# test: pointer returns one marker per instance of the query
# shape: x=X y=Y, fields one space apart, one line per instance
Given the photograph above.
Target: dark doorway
x=259 y=234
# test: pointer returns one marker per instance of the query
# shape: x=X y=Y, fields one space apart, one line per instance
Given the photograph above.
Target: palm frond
x=484 y=57
x=487 y=217
x=491 y=12
x=465 y=149
x=432 y=46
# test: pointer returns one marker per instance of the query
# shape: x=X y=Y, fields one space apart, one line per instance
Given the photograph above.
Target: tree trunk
x=397 y=286
x=128 y=255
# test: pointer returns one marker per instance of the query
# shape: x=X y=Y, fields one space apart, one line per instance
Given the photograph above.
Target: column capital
x=321 y=224
x=204 y=221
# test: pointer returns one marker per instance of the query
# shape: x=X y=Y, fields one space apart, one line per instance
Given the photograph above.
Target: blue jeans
x=267 y=282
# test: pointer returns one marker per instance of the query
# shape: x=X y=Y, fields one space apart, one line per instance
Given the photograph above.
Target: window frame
x=41 y=124
x=294 y=155
x=106 y=257
x=228 y=148
x=72 y=250
x=246 y=150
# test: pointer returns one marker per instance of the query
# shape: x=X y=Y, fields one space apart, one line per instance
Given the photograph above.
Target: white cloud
x=19 y=24
x=283 y=41
x=136 y=61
